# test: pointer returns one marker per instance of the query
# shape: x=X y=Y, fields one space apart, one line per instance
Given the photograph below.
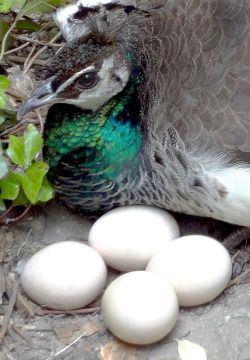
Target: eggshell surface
x=129 y=236
x=65 y=275
x=198 y=267
x=140 y=307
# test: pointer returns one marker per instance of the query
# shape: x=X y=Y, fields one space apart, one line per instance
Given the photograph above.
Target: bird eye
x=87 y=80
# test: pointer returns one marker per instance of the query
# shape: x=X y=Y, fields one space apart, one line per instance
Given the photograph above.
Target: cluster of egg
x=162 y=271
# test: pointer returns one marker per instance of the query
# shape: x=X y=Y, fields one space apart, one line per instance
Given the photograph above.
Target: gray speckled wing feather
x=197 y=66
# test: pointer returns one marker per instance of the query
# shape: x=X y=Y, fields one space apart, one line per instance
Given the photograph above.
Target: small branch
x=37 y=42
x=21 y=60
x=19 y=332
x=40 y=121
x=44 y=312
x=40 y=52
x=15 y=219
x=30 y=55
x=21 y=300
x=3 y=216
x=16 y=49
x=3 y=47
x=9 y=311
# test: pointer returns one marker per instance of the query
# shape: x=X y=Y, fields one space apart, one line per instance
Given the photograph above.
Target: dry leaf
x=116 y=350
x=67 y=333
x=21 y=83
x=70 y=332
x=90 y=328
x=190 y=351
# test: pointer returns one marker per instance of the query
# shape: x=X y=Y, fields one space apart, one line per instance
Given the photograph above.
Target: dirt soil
x=28 y=332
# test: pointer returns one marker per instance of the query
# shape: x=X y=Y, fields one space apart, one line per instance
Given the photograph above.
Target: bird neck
x=106 y=142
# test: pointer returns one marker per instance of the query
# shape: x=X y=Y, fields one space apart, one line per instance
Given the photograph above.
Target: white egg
x=198 y=267
x=140 y=307
x=129 y=236
x=66 y=275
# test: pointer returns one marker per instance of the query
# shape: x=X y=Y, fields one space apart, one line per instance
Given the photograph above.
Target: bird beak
x=43 y=95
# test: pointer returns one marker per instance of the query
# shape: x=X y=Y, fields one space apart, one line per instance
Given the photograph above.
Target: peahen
x=151 y=105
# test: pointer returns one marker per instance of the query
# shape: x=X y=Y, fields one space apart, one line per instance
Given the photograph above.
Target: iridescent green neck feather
x=91 y=153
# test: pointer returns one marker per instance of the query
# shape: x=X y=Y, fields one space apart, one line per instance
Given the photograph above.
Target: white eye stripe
x=74 y=77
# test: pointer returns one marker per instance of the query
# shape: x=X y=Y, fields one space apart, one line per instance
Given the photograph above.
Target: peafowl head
x=94 y=66
x=84 y=75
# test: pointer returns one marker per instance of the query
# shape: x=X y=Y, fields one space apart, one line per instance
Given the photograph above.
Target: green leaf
x=58 y=2
x=2 y=120
x=2 y=205
x=9 y=117
x=3 y=99
x=3 y=167
x=18 y=3
x=35 y=7
x=32 y=143
x=32 y=180
x=10 y=186
x=40 y=6
x=21 y=199
x=3 y=164
x=5 y=5
x=16 y=150
x=22 y=150
x=46 y=192
x=4 y=27
x=28 y=25
x=4 y=82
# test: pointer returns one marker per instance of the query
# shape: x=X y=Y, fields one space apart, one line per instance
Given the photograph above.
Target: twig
x=16 y=49
x=53 y=356
x=40 y=121
x=44 y=312
x=39 y=52
x=21 y=300
x=9 y=310
x=3 y=216
x=8 y=355
x=15 y=219
x=22 y=245
x=30 y=55
x=21 y=125
x=19 y=332
x=6 y=37
x=42 y=327
x=38 y=42
x=21 y=216
x=21 y=60
x=239 y=352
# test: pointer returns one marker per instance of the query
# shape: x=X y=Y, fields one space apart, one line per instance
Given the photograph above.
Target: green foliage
x=3 y=164
x=27 y=183
x=23 y=8
x=5 y=5
x=4 y=85
x=22 y=150
x=22 y=173
x=30 y=6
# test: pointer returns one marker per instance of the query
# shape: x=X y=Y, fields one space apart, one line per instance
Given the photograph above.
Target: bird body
x=151 y=106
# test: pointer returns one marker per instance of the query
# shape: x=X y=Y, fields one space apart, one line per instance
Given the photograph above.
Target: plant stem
x=3 y=47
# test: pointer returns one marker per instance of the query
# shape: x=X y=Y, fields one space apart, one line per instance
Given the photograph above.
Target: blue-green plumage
x=90 y=153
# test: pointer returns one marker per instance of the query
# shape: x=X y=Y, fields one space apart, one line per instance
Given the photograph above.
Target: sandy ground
x=221 y=327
